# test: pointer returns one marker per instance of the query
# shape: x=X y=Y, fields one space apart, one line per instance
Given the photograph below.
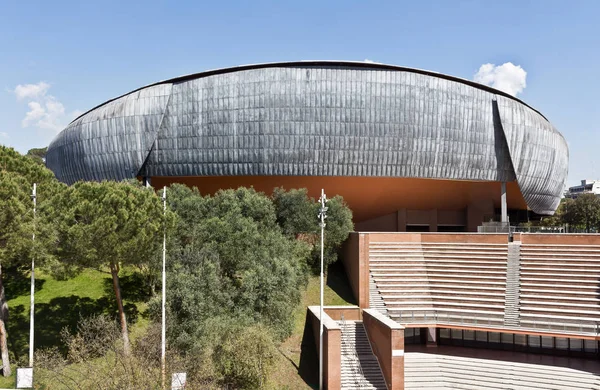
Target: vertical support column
x=433 y=220
x=432 y=337
x=504 y=210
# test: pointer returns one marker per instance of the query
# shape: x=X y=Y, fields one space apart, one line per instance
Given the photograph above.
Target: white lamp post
x=31 y=316
x=164 y=292
x=322 y=216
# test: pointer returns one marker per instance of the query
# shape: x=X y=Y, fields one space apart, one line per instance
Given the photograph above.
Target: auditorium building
x=423 y=159
x=409 y=150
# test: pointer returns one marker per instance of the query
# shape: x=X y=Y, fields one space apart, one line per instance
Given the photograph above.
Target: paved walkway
x=466 y=368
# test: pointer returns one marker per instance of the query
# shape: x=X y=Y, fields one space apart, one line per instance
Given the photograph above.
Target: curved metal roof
x=321 y=63
x=317 y=118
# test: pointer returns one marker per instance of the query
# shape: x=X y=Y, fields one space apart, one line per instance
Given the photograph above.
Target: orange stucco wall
x=371 y=197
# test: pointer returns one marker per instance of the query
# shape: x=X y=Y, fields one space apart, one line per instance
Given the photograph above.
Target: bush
x=244 y=357
x=96 y=359
x=297 y=214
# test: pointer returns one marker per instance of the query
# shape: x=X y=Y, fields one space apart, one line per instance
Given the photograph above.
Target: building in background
x=586 y=187
x=409 y=150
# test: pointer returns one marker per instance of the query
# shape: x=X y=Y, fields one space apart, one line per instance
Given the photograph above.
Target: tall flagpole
x=322 y=215
x=164 y=291
x=32 y=309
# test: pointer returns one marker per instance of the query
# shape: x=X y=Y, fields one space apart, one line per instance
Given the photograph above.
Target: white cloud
x=369 y=61
x=45 y=111
x=31 y=91
x=3 y=134
x=507 y=77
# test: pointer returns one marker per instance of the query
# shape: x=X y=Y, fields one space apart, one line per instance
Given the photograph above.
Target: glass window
x=562 y=343
x=534 y=341
x=547 y=342
x=457 y=334
x=521 y=339
x=469 y=335
x=575 y=345
x=481 y=336
x=494 y=337
x=444 y=333
x=590 y=345
x=507 y=338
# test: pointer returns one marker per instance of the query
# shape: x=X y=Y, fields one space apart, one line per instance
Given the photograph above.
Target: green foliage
x=582 y=213
x=17 y=175
x=297 y=214
x=96 y=359
x=38 y=155
x=229 y=258
x=245 y=356
x=105 y=223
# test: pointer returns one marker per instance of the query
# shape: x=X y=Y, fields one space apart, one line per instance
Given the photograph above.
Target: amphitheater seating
x=551 y=288
x=560 y=287
x=441 y=282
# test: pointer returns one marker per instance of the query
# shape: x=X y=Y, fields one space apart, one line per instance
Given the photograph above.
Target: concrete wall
x=387 y=341
x=332 y=347
x=559 y=239
x=350 y=313
x=489 y=238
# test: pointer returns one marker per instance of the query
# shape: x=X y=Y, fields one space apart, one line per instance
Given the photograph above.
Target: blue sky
x=70 y=56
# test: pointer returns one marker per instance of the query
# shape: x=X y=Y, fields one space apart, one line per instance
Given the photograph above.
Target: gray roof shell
x=317 y=118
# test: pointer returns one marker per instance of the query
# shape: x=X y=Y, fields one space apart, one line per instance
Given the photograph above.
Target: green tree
x=108 y=225
x=297 y=214
x=38 y=155
x=17 y=175
x=584 y=212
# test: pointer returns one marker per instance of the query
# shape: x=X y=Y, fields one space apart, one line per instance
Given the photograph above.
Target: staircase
x=494 y=370
x=360 y=368
x=375 y=298
x=511 y=303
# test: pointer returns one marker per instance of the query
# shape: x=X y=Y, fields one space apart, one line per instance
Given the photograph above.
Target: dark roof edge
x=324 y=63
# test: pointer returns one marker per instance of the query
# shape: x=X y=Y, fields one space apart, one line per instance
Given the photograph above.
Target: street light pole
x=31 y=309
x=322 y=216
x=164 y=291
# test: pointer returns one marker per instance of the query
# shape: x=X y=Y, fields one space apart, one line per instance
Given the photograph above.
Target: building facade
x=408 y=149
x=586 y=187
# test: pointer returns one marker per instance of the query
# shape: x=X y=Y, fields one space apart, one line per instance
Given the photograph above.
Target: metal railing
x=433 y=317
x=356 y=368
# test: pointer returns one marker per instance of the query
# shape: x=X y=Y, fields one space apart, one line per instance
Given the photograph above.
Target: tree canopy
x=107 y=225
x=582 y=213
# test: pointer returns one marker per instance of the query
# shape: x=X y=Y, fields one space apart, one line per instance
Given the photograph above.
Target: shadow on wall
x=337 y=280
x=309 y=357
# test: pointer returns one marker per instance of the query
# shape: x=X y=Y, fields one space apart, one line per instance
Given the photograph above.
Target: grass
x=297 y=363
x=61 y=304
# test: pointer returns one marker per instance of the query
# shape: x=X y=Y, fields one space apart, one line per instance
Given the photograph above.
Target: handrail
x=356 y=368
x=591 y=328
